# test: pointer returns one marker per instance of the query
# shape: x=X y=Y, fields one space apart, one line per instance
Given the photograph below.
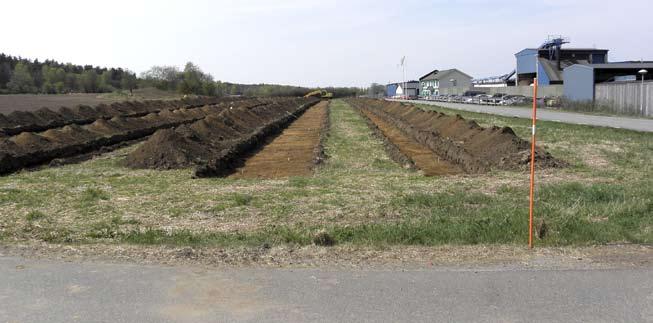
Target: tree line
x=192 y=80
x=20 y=75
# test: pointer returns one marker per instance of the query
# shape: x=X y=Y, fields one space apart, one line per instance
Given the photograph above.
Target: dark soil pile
x=44 y=118
x=211 y=141
x=463 y=142
x=28 y=149
x=167 y=149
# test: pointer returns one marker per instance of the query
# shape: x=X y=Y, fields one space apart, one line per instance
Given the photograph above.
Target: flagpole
x=403 y=75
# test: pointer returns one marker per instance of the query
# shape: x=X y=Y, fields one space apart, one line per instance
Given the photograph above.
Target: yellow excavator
x=319 y=94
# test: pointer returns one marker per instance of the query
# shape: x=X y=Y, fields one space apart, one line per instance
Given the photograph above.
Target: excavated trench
x=421 y=156
x=295 y=152
x=215 y=146
x=29 y=149
x=441 y=144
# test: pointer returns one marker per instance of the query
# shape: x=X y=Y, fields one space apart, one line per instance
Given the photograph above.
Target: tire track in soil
x=293 y=152
x=424 y=158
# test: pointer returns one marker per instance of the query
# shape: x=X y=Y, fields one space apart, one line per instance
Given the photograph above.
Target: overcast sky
x=317 y=43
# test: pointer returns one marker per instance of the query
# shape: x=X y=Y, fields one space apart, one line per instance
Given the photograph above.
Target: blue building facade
x=551 y=62
x=391 y=90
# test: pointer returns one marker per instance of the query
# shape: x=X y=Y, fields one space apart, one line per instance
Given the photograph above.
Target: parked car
x=467 y=99
x=485 y=99
x=514 y=100
x=496 y=99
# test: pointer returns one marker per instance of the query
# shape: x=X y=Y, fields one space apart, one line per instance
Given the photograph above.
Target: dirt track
x=425 y=159
x=294 y=152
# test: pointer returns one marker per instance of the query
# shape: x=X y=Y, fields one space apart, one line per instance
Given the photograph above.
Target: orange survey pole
x=530 y=206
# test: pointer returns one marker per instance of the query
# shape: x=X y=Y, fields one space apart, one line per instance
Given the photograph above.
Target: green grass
x=358 y=196
x=34 y=215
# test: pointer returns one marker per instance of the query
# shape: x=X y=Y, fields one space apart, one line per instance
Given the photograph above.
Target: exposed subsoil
x=216 y=143
x=463 y=144
x=423 y=158
x=294 y=152
x=28 y=149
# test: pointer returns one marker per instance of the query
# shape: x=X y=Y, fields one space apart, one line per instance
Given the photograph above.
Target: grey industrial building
x=580 y=79
x=432 y=83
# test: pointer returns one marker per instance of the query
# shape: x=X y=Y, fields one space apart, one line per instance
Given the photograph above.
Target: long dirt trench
x=424 y=158
x=294 y=152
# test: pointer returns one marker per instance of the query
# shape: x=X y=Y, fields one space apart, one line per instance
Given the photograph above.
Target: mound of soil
x=27 y=149
x=229 y=133
x=231 y=157
x=462 y=142
x=44 y=118
x=31 y=141
x=167 y=149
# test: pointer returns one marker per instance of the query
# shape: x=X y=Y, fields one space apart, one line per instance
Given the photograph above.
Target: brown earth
x=215 y=143
x=28 y=149
x=294 y=152
x=461 y=142
x=32 y=102
x=43 y=119
x=424 y=158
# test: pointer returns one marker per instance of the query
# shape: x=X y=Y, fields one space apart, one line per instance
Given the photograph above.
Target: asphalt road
x=51 y=291
x=638 y=124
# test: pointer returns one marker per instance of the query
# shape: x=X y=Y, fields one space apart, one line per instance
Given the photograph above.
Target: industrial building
x=434 y=82
x=577 y=74
x=581 y=79
x=391 y=90
x=408 y=89
x=552 y=59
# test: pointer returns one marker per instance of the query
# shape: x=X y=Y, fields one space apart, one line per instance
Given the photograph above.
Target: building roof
x=579 y=49
x=409 y=84
x=441 y=74
x=429 y=73
x=626 y=65
x=399 y=83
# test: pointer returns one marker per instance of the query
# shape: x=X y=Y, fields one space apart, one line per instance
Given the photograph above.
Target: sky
x=317 y=43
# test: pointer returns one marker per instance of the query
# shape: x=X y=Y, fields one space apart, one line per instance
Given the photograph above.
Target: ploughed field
x=32 y=102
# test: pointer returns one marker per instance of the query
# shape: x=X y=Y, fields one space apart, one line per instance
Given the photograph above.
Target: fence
x=625 y=98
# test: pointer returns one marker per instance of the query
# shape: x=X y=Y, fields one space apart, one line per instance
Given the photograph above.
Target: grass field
x=358 y=196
